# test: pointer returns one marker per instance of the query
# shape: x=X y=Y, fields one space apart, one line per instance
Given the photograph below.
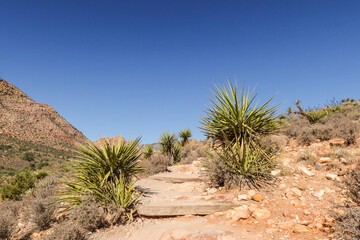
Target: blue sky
x=141 y=67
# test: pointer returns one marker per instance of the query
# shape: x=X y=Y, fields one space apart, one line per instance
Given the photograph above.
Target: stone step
x=176 y=177
x=169 y=209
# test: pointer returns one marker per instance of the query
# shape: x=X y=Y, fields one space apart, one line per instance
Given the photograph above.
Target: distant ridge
x=23 y=118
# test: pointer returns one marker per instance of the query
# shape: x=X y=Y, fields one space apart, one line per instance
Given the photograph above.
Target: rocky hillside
x=23 y=118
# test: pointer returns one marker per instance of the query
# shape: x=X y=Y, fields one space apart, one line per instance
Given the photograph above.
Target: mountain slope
x=27 y=120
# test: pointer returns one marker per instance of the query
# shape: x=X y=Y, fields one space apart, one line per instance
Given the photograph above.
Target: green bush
x=105 y=174
x=17 y=186
x=233 y=114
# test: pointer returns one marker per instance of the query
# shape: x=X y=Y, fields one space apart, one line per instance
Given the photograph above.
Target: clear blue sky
x=141 y=67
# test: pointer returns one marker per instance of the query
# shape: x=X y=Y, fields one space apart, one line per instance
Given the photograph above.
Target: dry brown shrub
x=194 y=150
x=347 y=226
x=67 y=231
x=274 y=142
x=218 y=174
x=308 y=157
x=336 y=125
x=8 y=218
x=155 y=164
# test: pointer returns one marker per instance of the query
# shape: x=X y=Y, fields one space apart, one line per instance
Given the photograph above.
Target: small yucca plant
x=167 y=142
x=185 y=135
x=104 y=174
x=177 y=152
x=236 y=114
x=148 y=151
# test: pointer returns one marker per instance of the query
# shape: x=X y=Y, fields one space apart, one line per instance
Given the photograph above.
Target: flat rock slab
x=176 y=177
x=181 y=208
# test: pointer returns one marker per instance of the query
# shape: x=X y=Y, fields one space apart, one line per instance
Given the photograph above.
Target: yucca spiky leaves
x=233 y=113
x=105 y=174
x=185 y=135
x=247 y=162
x=167 y=142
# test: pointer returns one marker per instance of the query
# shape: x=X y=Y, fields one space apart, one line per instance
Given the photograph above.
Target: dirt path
x=297 y=206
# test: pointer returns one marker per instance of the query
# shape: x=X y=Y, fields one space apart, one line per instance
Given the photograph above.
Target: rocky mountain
x=26 y=120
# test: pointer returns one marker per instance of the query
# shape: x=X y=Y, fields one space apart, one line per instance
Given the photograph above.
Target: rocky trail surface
x=300 y=204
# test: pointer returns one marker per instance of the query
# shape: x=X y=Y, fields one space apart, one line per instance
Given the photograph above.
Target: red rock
x=261 y=214
x=241 y=212
x=258 y=198
x=293 y=193
x=301 y=228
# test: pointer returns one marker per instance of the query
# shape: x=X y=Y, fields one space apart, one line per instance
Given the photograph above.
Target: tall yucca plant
x=185 y=135
x=167 y=142
x=233 y=113
x=105 y=174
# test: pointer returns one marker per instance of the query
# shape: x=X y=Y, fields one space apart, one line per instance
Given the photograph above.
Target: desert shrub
x=347 y=226
x=17 y=186
x=67 y=231
x=105 y=174
x=89 y=215
x=336 y=125
x=308 y=157
x=29 y=156
x=194 y=150
x=8 y=218
x=217 y=173
x=148 y=151
x=156 y=163
x=274 y=142
x=353 y=183
x=185 y=135
x=42 y=213
x=233 y=115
